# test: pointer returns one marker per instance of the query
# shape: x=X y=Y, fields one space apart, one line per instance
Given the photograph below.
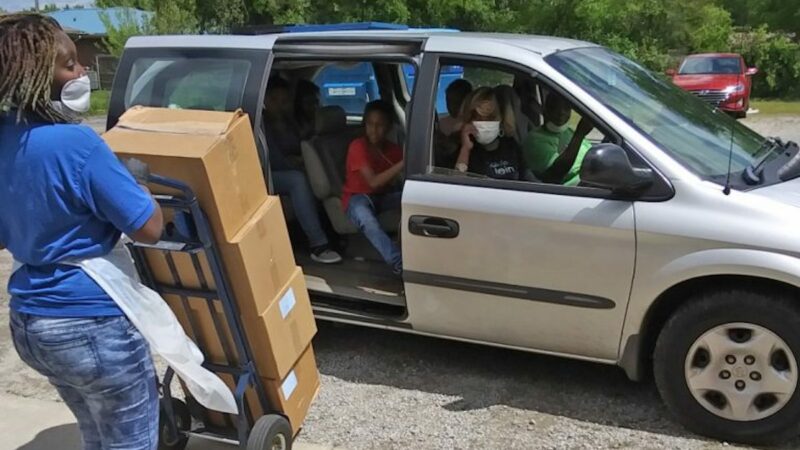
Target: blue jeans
x=363 y=210
x=295 y=184
x=102 y=368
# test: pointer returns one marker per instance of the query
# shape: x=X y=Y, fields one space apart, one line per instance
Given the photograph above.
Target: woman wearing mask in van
x=554 y=152
x=487 y=145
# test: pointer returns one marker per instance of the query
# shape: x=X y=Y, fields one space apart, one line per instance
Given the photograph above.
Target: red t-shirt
x=358 y=156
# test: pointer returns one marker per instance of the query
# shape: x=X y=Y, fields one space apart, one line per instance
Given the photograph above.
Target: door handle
x=437 y=227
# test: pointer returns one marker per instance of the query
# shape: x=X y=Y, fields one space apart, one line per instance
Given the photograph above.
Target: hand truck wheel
x=183 y=422
x=270 y=432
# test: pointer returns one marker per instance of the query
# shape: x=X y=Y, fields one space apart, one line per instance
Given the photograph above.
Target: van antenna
x=727 y=189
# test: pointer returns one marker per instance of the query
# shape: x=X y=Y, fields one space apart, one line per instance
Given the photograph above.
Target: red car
x=722 y=79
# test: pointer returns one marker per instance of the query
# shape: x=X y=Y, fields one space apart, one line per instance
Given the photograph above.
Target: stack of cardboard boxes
x=215 y=154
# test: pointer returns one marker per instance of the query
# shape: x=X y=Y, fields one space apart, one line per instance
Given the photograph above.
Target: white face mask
x=488 y=131
x=76 y=94
x=556 y=128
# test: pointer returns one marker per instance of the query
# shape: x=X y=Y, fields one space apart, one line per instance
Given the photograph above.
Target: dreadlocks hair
x=28 y=51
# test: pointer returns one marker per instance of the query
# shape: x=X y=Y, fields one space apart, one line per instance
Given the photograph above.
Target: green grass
x=99 y=105
x=776 y=107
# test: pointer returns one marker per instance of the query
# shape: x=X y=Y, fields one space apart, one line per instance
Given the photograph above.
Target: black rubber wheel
x=183 y=421
x=270 y=432
x=711 y=372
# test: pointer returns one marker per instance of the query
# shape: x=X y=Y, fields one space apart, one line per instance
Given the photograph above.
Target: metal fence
x=106 y=68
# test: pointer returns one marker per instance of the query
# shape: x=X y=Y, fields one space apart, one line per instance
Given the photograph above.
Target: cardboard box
x=294 y=394
x=258 y=260
x=291 y=396
x=213 y=152
x=283 y=331
x=277 y=337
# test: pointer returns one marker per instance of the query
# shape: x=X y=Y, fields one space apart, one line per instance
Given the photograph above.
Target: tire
x=270 y=432
x=183 y=421
x=751 y=398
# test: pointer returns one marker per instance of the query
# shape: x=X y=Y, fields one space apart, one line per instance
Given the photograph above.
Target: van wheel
x=726 y=366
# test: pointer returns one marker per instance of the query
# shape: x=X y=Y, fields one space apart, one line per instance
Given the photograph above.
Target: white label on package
x=287 y=303
x=289 y=385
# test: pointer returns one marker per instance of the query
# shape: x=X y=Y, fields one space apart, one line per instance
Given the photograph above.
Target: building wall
x=88 y=49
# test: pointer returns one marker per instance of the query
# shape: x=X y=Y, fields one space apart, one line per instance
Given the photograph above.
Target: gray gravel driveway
x=785 y=127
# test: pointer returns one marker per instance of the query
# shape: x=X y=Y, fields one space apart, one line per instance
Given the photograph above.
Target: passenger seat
x=510 y=101
x=325 y=157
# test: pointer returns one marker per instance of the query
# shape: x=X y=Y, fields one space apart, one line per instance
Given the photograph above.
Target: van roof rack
x=300 y=28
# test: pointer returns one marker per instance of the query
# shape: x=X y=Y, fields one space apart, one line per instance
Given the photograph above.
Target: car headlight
x=734 y=89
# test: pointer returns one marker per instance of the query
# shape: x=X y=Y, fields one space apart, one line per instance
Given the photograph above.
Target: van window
x=197 y=83
x=448 y=75
x=519 y=149
x=349 y=85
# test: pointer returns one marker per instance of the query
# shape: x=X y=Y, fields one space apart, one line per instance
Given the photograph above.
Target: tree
x=118 y=32
x=170 y=17
x=174 y=17
x=187 y=16
x=777 y=58
x=645 y=30
x=48 y=8
x=220 y=15
x=649 y=31
x=779 y=15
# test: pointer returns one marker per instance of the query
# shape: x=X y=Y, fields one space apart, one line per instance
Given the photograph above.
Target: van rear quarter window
x=216 y=84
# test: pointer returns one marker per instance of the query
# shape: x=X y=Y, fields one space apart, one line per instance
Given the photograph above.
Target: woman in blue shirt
x=65 y=197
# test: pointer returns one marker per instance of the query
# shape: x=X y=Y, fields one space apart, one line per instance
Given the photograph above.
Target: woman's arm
x=150 y=232
x=114 y=193
x=468 y=132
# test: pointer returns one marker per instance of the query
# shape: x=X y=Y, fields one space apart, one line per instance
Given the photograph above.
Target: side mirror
x=671 y=72
x=607 y=166
x=751 y=71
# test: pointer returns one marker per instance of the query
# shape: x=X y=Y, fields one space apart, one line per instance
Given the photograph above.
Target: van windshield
x=694 y=133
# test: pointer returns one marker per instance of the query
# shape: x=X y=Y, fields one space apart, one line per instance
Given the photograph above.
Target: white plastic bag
x=117 y=276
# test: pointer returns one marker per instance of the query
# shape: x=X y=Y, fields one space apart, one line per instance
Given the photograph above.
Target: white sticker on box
x=289 y=385
x=287 y=303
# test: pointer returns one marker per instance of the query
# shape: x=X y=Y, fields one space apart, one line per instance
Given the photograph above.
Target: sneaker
x=325 y=255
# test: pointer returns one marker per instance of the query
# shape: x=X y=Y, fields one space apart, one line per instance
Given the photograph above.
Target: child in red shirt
x=373 y=163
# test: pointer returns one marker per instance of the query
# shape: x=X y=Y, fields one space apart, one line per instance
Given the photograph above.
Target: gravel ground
x=786 y=127
x=384 y=390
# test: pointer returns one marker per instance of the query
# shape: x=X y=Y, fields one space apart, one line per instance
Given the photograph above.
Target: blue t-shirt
x=63 y=196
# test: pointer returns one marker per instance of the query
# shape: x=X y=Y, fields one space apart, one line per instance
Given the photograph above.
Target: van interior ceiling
x=362 y=283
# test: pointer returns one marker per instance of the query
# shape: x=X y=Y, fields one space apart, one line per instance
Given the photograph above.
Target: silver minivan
x=677 y=254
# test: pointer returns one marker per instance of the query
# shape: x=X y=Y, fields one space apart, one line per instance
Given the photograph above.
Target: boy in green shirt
x=554 y=152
